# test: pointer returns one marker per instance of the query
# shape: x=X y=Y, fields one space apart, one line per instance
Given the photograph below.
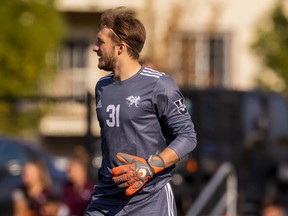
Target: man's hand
x=136 y=171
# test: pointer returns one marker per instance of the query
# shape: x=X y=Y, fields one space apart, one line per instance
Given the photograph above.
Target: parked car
x=13 y=155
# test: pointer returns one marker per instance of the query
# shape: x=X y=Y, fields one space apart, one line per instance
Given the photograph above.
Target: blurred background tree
x=271 y=46
x=31 y=32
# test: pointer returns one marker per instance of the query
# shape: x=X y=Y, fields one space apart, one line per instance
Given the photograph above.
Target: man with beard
x=145 y=127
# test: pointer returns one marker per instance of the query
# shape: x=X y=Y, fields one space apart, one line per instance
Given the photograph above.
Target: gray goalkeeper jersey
x=142 y=116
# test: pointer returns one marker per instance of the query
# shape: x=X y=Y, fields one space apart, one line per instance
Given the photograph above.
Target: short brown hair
x=126 y=28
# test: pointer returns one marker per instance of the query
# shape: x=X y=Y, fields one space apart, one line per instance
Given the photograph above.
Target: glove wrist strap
x=156 y=162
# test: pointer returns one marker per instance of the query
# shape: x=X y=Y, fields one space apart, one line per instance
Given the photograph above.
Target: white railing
x=228 y=202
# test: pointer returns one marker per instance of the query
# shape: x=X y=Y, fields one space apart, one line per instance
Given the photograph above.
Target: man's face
x=105 y=49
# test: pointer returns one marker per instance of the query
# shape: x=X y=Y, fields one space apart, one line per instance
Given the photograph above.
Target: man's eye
x=99 y=42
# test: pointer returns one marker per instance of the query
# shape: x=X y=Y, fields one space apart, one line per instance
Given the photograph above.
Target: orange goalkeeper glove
x=136 y=171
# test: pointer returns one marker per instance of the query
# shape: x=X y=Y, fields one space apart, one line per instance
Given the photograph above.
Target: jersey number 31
x=113 y=111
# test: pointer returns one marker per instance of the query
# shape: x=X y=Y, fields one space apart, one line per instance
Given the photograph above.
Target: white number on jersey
x=113 y=111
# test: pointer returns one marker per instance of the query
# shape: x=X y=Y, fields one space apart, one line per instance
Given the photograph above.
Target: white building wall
x=237 y=17
x=95 y=5
x=163 y=19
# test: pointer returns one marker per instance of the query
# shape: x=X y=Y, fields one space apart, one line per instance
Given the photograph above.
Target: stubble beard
x=107 y=63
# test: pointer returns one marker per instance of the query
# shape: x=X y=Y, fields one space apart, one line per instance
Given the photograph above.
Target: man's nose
x=95 y=48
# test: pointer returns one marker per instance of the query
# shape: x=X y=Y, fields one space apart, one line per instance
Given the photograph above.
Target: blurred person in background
x=273 y=207
x=77 y=191
x=29 y=199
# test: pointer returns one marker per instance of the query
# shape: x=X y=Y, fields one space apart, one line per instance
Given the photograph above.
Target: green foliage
x=16 y=118
x=271 y=46
x=31 y=32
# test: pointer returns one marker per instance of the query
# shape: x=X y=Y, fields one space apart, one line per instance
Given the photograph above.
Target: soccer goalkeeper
x=145 y=127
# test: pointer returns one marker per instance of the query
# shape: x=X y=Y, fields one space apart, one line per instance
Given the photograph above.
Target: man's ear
x=121 y=47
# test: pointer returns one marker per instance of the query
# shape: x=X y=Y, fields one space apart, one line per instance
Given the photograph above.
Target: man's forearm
x=169 y=157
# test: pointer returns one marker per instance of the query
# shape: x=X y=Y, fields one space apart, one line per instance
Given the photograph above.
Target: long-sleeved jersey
x=142 y=116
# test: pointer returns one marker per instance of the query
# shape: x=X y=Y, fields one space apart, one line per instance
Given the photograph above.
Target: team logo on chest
x=133 y=100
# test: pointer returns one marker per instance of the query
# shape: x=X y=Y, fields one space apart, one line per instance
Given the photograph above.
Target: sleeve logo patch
x=181 y=106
